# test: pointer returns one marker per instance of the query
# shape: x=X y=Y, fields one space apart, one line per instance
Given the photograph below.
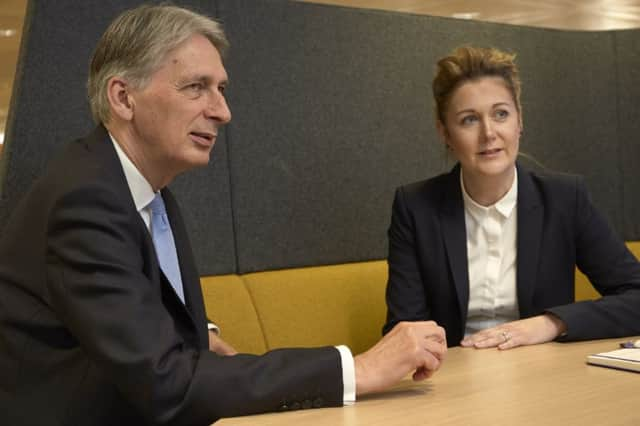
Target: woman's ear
x=520 y=124
x=120 y=100
x=442 y=132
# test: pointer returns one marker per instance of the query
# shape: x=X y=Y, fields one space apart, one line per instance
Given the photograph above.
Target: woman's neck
x=488 y=190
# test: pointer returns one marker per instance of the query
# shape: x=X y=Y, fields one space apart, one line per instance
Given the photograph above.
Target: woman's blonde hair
x=467 y=63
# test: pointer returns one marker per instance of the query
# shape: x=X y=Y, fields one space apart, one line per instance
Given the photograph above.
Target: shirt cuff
x=212 y=327
x=348 y=375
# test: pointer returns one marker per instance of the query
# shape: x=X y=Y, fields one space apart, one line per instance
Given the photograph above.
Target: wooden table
x=540 y=385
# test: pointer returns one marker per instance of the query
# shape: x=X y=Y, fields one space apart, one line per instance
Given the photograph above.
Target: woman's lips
x=490 y=152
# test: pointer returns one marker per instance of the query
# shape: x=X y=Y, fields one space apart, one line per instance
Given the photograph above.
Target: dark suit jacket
x=91 y=331
x=558 y=228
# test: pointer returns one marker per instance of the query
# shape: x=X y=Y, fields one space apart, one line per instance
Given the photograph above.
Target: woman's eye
x=501 y=114
x=469 y=119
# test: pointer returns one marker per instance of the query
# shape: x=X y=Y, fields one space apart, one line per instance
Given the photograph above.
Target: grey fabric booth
x=332 y=110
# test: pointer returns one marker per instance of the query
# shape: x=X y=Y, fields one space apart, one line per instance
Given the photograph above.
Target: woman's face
x=482 y=128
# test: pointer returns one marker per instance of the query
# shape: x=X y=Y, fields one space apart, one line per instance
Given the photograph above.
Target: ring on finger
x=506 y=336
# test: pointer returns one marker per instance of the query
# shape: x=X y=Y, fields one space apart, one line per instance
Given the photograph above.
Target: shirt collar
x=140 y=188
x=504 y=206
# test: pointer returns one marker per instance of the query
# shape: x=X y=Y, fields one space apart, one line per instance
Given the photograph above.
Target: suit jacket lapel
x=100 y=143
x=455 y=238
x=530 y=221
x=188 y=270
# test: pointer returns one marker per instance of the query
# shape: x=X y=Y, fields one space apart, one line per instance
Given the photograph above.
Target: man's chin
x=196 y=162
x=202 y=162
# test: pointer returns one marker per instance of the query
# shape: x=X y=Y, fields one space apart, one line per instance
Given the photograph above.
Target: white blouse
x=491 y=253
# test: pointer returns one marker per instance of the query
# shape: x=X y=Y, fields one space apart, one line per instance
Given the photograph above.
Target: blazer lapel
x=455 y=238
x=190 y=277
x=530 y=218
x=100 y=144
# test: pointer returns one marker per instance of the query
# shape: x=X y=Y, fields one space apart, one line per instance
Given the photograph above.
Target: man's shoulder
x=84 y=172
x=89 y=159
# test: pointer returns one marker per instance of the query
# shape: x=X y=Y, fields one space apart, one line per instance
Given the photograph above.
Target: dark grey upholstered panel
x=49 y=108
x=571 y=113
x=332 y=110
x=628 y=91
x=324 y=128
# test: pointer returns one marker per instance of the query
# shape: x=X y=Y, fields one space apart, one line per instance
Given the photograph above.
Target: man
x=97 y=326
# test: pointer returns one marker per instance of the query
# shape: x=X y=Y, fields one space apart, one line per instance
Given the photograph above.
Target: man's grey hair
x=137 y=42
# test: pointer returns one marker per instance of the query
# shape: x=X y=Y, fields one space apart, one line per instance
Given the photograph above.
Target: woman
x=489 y=250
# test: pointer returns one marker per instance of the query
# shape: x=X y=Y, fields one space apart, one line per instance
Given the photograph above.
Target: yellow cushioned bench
x=314 y=306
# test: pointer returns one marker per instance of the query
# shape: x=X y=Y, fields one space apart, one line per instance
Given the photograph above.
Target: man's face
x=176 y=116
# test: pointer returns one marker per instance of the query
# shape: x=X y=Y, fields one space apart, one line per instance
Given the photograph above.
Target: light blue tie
x=165 y=245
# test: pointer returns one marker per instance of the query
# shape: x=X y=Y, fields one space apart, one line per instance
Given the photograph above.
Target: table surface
x=548 y=384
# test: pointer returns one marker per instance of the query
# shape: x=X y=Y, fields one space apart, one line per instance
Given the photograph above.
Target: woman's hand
x=530 y=331
x=219 y=346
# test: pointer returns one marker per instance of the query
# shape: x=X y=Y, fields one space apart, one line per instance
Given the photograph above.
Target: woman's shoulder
x=433 y=185
x=552 y=184
x=552 y=178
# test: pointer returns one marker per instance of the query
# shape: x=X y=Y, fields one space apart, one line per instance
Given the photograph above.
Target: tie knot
x=157 y=205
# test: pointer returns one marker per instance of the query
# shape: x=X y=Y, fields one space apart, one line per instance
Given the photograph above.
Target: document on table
x=624 y=359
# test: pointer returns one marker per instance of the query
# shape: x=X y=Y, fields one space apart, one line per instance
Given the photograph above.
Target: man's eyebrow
x=194 y=77
x=202 y=79
x=224 y=81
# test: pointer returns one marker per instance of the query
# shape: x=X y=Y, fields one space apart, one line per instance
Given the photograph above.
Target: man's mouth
x=203 y=138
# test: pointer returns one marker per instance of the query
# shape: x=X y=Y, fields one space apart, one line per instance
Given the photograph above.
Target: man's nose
x=217 y=109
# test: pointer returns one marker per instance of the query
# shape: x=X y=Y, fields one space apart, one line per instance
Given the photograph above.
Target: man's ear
x=120 y=100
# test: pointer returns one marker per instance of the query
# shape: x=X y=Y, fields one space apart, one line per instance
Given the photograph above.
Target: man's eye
x=195 y=86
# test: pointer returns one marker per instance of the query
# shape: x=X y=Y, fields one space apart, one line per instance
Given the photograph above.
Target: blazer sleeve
x=613 y=270
x=104 y=291
x=405 y=293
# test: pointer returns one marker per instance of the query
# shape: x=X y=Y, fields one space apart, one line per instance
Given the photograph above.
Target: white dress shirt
x=491 y=253
x=142 y=194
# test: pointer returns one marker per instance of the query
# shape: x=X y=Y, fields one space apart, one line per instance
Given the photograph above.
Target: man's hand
x=219 y=346
x=417 y=347
x=530 y=331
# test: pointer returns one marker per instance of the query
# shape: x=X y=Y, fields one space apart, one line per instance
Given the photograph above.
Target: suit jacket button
x=295 y=405
x=318 y=402
x=284 y=407
x=306 y=404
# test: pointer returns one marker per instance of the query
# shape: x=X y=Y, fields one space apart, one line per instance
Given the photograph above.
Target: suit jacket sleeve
x=104 y=284
x=612 y=269
x=405 y=294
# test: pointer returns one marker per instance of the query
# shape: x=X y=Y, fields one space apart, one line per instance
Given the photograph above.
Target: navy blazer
x=558 y=229
x=91 y=331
